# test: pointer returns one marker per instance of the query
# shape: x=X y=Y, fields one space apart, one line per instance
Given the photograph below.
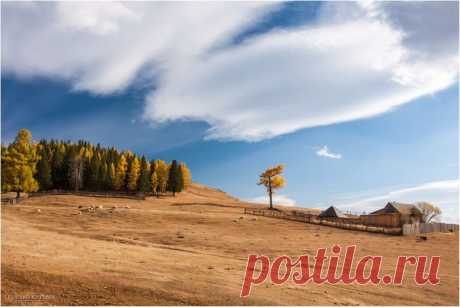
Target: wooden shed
x=407 y=213
x=332 y=212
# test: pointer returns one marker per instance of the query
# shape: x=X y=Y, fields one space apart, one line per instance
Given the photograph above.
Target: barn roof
x=332 y=212
x=395 y=207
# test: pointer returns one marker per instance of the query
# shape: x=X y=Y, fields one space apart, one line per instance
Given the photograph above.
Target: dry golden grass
x=191 y=249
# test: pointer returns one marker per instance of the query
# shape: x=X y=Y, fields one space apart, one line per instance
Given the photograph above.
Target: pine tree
x=44 y=171
x=19 y=165
x=3 y=154
x=87 y=157
x=144 y=178
x=133 y=174
x=179 y=179
x=111 y=176
x=57 y=169
x=173 y=178
x=67 y=164
x=93 y=183
x=120 y=173
x=102 y=176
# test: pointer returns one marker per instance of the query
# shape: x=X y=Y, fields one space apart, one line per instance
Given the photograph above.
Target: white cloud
x=285 y=80
x=93 y=17
x=278 y=199
x=324 y=152
x=444 y=194
x=356 y=61
x=101 y=47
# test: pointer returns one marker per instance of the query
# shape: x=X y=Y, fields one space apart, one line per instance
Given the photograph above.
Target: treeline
x=30 y=167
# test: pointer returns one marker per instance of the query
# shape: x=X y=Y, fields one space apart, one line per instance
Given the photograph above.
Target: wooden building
x=394 y=214
x=332 y=212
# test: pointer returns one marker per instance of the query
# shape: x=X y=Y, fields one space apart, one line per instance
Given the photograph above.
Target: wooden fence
x=358 y=223
x=13 y=200
x=414 y=229
x=10 y=201
x=344 y=223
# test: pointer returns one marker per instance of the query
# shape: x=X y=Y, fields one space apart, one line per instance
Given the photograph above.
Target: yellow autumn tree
x=186 y=175
x=429 y=211
x=19 y=164
x=87 y=153
x=272 y=179
x=111 y=174
x=133 y=174
x=120 y=173
x=154 y=182
x=162 y=170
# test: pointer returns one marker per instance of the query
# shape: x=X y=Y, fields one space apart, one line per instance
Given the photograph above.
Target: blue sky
x=360 y=102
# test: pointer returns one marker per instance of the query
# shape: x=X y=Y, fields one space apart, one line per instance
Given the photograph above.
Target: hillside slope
x=189 y=249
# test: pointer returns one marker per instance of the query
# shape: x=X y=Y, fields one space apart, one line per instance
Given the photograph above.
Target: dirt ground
x=188 y=250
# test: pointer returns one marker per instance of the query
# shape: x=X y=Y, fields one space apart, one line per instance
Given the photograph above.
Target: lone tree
x=272 y=180
x=429 y=211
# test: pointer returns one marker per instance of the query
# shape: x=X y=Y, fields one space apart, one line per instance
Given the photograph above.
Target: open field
x=191 y=249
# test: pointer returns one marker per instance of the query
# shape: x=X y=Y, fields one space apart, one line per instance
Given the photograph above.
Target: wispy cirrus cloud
x=324 y=152
x=355 y=62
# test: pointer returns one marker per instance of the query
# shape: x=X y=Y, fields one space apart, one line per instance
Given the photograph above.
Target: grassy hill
x=188 y=249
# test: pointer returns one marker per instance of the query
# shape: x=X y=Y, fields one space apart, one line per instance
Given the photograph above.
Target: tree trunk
x=18 y=194
x=270 y=192
x=76 y=180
